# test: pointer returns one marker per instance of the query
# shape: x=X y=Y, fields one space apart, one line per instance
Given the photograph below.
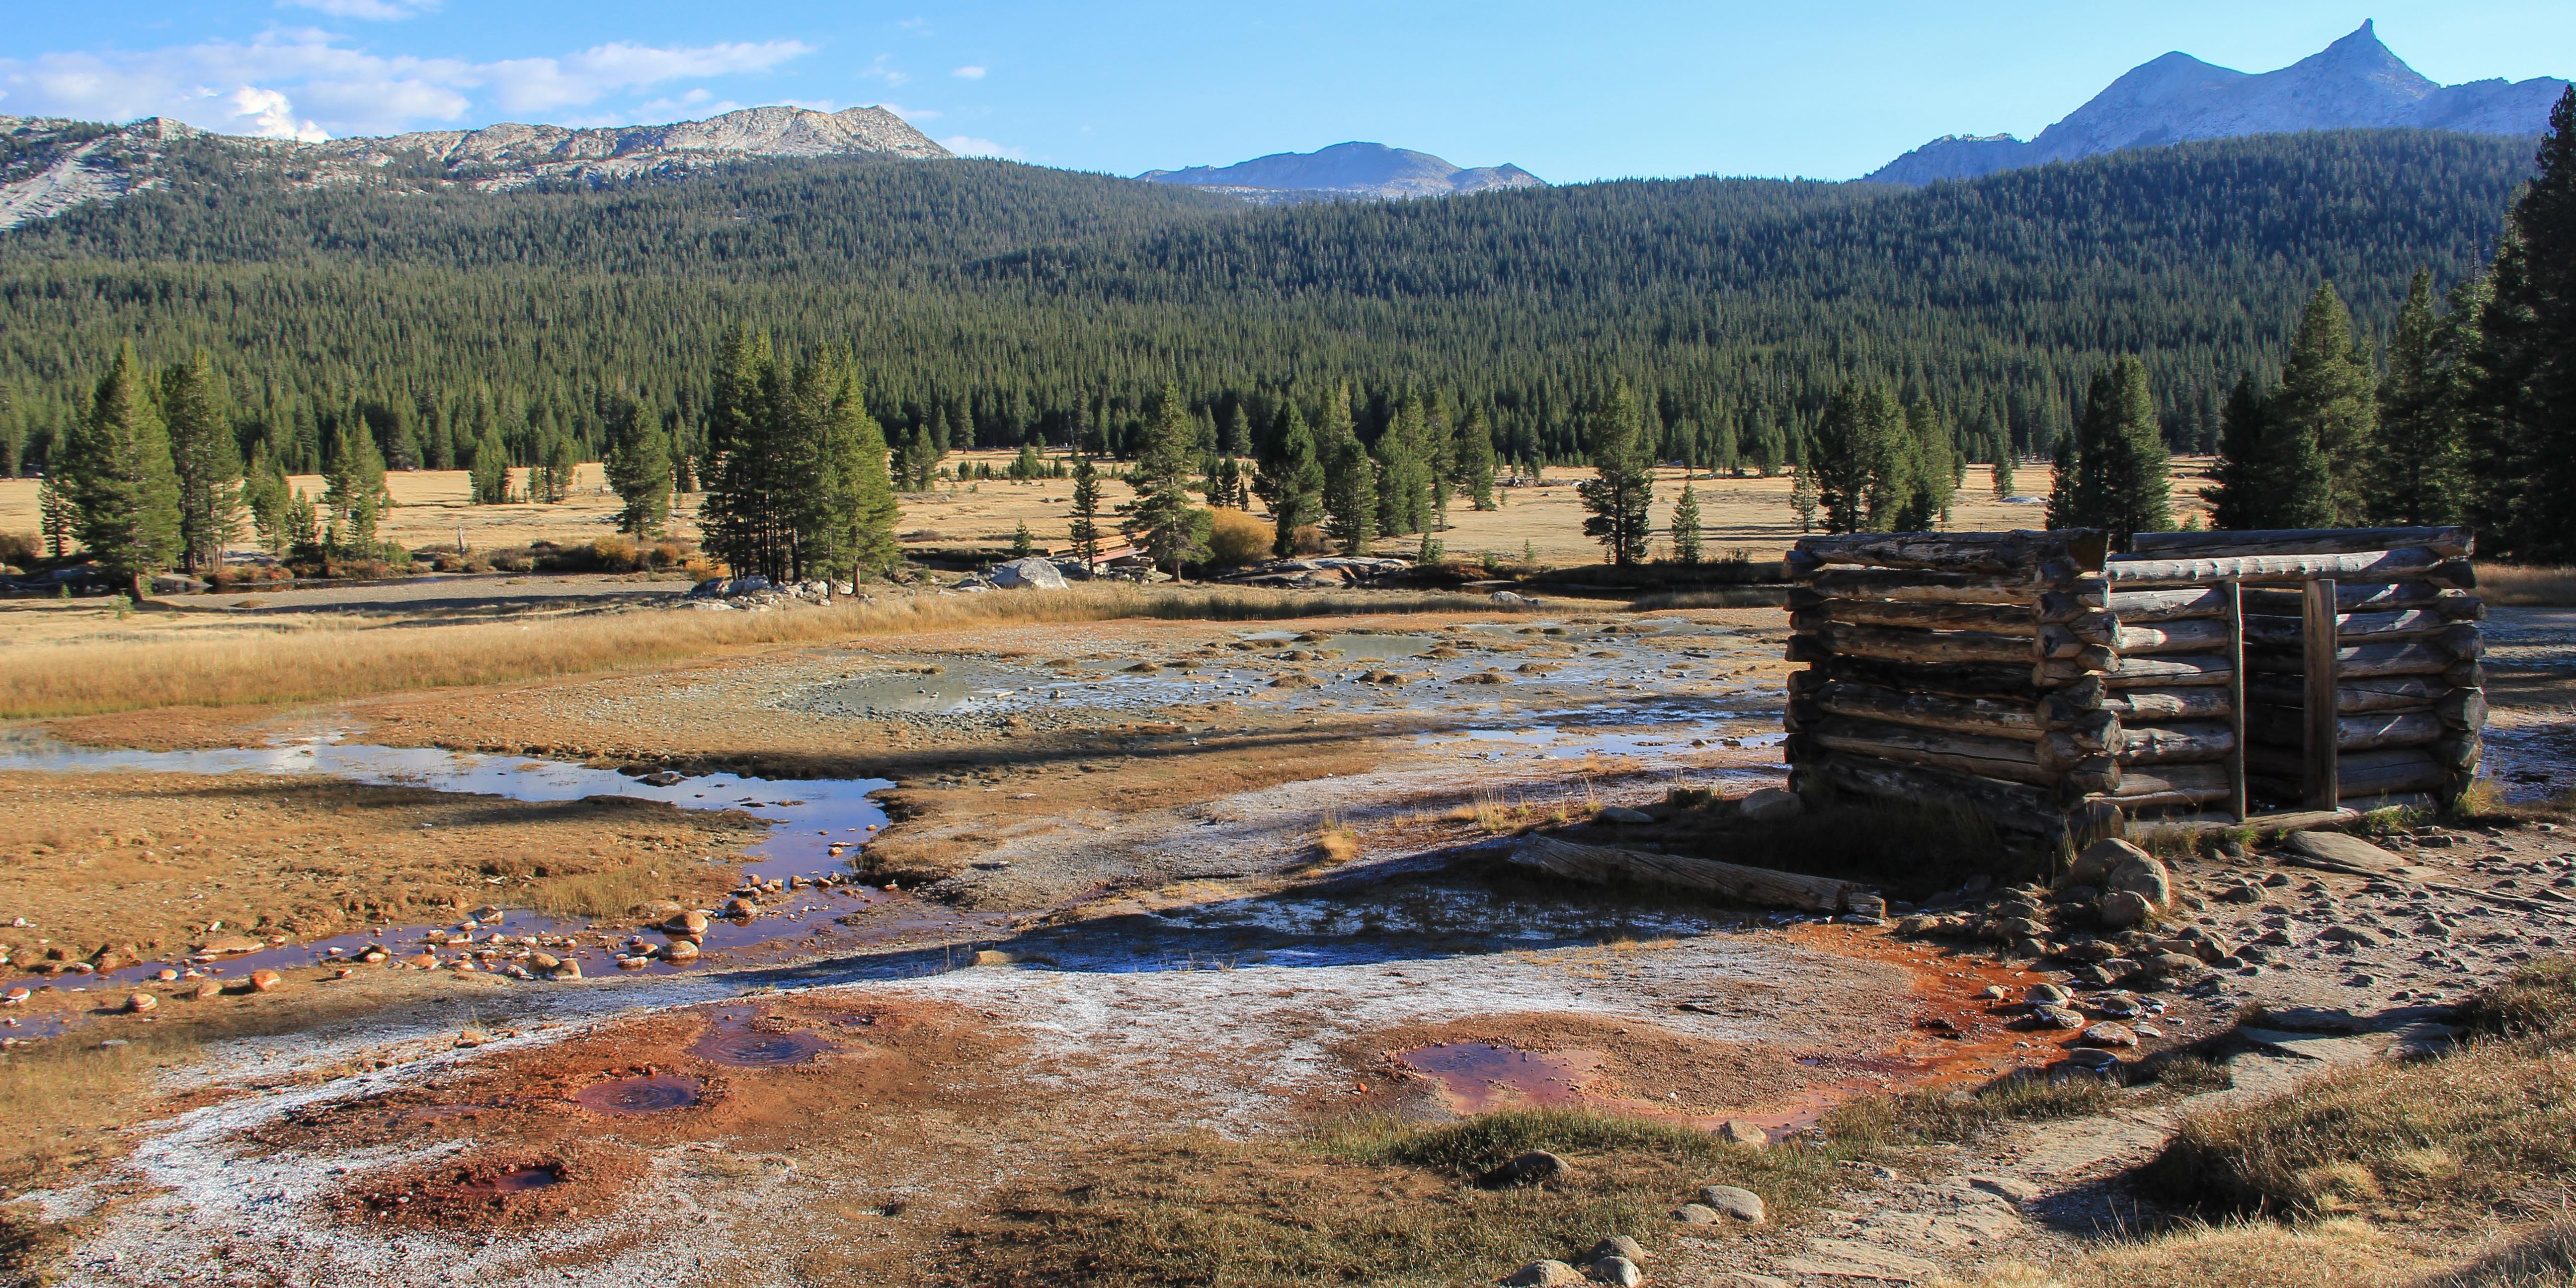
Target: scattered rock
x=2107 y=1034
x=208 y=989
x=1618 y=1245
x=741 y=907
x=2338 y=852
x=2092 y=1058
x=2099 y=860
x=692 y=924
x=543 y=961
x=1542 y=1274
x=680 y=950
x=1742 y=1204
x=1736 y=1132
x=2010 y=1187
x=2124 y=908
x=2043 y=995
x=1771 y=805
x=1618 y=1271
x=565 y=970
x=1031 y=573
x=487 y=914
x=231 y=945
x=1537 y=1167
x=1623 y=814
x=265 y=981
x=2057 y=1017
x=1697 y=1214
x=141 y=1002
x=2145 y=877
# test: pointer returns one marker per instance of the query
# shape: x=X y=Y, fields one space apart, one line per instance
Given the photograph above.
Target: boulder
x=1542 y=1274
x=2147 y=877
x=2057 y=1017
x=2338 y=852
x=1697 y=1214
x=1735 y=1132
x=1623 y=814
x=1618 y=1245
x=1031 y=573
x=1771 y=805
x=1741 y=1204
x=2107 y=1034
x=208 y=989
x=2098 y=861
x=1618 y=1271
x=1537 y=1167
x=2124 y=908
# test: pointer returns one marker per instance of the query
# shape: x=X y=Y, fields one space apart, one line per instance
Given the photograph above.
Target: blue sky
x=1569 y=92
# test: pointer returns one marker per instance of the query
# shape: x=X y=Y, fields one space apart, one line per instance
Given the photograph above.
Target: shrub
x=1310 y=540
x=1236 y=538
x=20 y=548
x=615 y=554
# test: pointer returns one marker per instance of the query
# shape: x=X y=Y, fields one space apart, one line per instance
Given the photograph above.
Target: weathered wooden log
x=1769 y=887
x=2191 y=742
x=2141 y=607
x=2414 y=657
x=1890 y=644
x=1909 y=587
x=2148 y=705
x=2406 y=623
x=2361 y=773
x=2458 y=752
x=2447 y=541
x=2165 y=785
x=2176 y=671
x=2465 y=674
x=2368 y=731
x=2367 y=597
x=2352 y=694
x=2176 y=636
x=1993 y=619
x=1987 y=716
x=2462 y=709
x=2004 y=758
x=2012 y=806
x=2016 y=554
x=2125 y=571
x=1967 y=680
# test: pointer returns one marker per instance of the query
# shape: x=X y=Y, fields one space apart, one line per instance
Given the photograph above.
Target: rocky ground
x=1151 y=879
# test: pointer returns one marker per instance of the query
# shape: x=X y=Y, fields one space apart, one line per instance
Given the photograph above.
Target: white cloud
x=697 y=104
x=967 y=145
x=878 y=70
x=912 y=113
x=376 y=10
x=969 y=72
x=348 y=90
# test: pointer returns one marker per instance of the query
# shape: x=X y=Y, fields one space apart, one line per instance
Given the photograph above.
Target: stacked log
x=1962 y=668
x=2031 y=678
x=2409 y=701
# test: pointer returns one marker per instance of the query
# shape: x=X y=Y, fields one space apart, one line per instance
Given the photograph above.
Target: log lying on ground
x=2015 y=807
x=2450 y=542
x=2369 y=731
x=2366 y=597
x=1769 y=887
x=2146 y=705
x=2129 y=571
x=2353 y=694
x=2407 y=623
x=1909 y=587
x=2193 y=636
x=2190 y=742
x=2016 y=554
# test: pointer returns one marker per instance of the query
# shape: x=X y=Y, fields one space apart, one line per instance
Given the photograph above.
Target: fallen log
x=2450 y=542
x=1601 y=865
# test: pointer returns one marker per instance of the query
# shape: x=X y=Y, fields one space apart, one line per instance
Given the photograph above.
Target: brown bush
x=20 y=548
x=1310 y=540
x=1236 y=538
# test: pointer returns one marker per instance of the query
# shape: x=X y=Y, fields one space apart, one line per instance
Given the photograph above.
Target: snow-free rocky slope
x=50 y=166
x=1354 y=169
x=2355 y=83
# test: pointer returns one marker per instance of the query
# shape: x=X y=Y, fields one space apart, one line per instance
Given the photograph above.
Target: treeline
x=987 y=304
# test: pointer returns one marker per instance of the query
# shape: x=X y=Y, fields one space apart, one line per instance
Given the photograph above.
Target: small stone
x=141 y=1002
x=1696 y=1214
x=208 y=989
x=1771 y=805
x=2121 y=909
x=1742 y=1204
x=1623 y=814
x=2108 y=1034
x=687 y=923
x=2093 y=1058
x=1618 y=1245
x=1542 y=1274
x=486 y=914
x=2242 y=894
x=2047 y=995
x=565 y=970
x=2099 y=860
x=1537 y=1167
x=421 y=961
x=1737 y=1132
x=741 y=907
x=1995 y=993
x=543 y=961
x=2057 y=1017
x=1618 y=1271
x=166 y=975
x=680 y=950
x=265 y=981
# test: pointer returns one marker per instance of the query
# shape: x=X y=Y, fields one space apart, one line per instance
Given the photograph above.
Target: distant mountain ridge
x=1356 y=169
x=50 y=166
x=2354 y=83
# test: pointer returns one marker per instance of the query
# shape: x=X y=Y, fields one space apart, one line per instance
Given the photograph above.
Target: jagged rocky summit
x=56 y=165
x=1352 y=169
x=2355 y=83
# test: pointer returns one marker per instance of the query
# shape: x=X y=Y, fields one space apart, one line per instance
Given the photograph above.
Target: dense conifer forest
x=986 y=302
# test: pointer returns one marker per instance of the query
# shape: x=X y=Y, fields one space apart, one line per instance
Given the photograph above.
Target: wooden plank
x=2169 y=672
x=2289 y=632
x=2178 y=636
x=2146 y=706
x=2140 y=607
x=1601 y=864
x=2125 y=571
x=2321 y=756
x=2238 y=800
x=2190 y=742
x=2018 y=553
x=2447 y=541
x=2171 y=785
x=2013 y=806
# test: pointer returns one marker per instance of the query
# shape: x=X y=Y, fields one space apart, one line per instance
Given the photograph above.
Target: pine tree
x=1931 y=470
x=1085 y=530
x=1686 y=534
x=2123 y=477
x=57 y=515
x=206 y=460
x=1028 y=464
x=117 y=474
x=2004 y=471
x=266 y=494
x=489 y=479
x=562 y=461
x=1623 y=481
x=861 y=470
x=638 y=464
x=2320 y=422
x=1022 y=544
x=1474 y=454
x=753 y=471
x=2239 y=500
x=2415 y=464
x=1851 y=455
x=1404 y=494
x=1292 y=482
x=1350 y=478
x=2065 y=510
x=354 y=497
x=1803 y=497
x=1165 y=525
x=2523 y=388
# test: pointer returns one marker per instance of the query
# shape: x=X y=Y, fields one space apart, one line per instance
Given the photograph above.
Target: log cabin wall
x=2059 y=692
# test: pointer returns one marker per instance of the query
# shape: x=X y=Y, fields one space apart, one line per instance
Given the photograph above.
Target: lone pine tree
x=1623 y=482
x=117 y=475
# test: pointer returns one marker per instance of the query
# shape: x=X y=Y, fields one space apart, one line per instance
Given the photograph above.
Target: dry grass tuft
x=322 y=661
x=2541 y=1257
x=2527 y=585
x=1336 y=844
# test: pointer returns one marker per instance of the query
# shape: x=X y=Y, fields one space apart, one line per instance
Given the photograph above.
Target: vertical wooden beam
x=2323 y=758
x=2237 y=803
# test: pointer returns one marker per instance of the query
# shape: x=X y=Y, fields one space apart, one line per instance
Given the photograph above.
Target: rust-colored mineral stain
x=732 y=1041
x=516 y=1180
x=653 y=1093
x=1481 y=1077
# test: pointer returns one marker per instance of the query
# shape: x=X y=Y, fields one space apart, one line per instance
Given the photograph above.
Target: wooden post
x=2237 y=803
x=2324 y=732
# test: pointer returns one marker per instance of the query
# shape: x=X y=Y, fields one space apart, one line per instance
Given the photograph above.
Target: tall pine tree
x=2523 y=418
x=1623 y=481
x=2415 y=464
x=1291 y=482
x=116 y=467
x=2320 y=422
x=638 y=463
x=206 y=460
x=2123 y=476
x=1162 y=521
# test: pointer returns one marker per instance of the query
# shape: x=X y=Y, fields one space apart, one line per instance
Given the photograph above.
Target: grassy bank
x=326 y=660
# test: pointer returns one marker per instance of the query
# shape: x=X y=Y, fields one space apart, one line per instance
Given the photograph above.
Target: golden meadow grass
x=2527 y=585
x=332 y=659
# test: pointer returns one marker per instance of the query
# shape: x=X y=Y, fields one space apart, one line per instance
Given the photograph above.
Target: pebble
x=141 y=1002
x=2042 y=995
x=2057 y=1017
x=266 y=981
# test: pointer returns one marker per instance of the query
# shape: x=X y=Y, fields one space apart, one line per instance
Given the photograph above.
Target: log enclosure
x=2202 y=678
